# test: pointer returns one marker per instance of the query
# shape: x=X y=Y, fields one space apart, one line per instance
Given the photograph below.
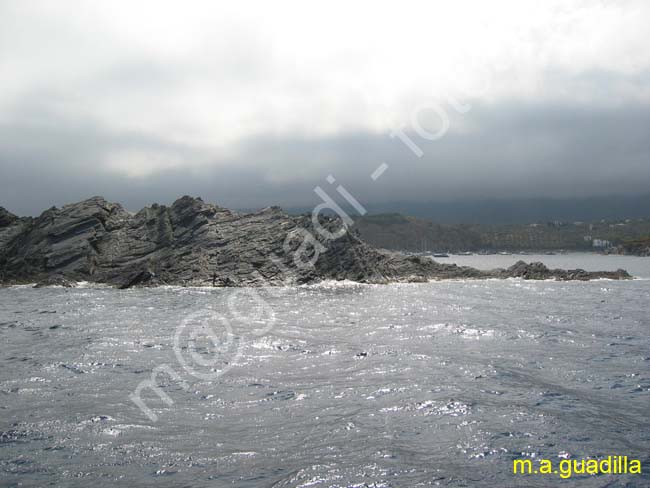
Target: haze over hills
x=515 y=211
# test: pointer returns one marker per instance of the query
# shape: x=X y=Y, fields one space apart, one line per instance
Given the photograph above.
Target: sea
x=338 y=384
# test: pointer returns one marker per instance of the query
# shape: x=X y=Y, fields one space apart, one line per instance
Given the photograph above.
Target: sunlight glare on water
x=440 y=383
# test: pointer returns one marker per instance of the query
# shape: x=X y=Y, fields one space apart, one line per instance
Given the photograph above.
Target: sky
x=249 y=104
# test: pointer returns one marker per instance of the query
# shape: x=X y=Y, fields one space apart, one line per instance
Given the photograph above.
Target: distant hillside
x=513 y=211
x=636 y=247
x=395 y=231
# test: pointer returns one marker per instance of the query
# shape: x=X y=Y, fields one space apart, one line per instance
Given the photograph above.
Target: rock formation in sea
x=194 y=243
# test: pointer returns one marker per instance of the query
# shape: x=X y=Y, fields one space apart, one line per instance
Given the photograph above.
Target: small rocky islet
x=193 y=243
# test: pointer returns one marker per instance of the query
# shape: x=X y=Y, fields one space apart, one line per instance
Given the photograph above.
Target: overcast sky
x=249 y=104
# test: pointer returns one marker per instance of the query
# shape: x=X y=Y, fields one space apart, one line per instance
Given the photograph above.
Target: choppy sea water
x=437 y=384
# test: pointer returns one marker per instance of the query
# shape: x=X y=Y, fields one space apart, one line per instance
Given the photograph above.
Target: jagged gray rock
x=6 y=217
x=538 y=271
x=10 y=227
x=200 y=244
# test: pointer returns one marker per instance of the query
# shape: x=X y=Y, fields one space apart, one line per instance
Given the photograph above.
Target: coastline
x=193 y=243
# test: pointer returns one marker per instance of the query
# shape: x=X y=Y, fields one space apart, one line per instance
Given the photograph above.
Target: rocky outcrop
x=538 y=271
x=6 y=218
x=196 y=243
x=10 y=227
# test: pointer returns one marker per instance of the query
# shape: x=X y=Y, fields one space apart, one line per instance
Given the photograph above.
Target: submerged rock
x=200 y=244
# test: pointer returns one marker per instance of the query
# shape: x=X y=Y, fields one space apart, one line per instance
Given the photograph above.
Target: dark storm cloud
x=246 y=107
x=508 y=150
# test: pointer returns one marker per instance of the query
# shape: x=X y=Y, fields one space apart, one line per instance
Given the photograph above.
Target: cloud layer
x=256 y=104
